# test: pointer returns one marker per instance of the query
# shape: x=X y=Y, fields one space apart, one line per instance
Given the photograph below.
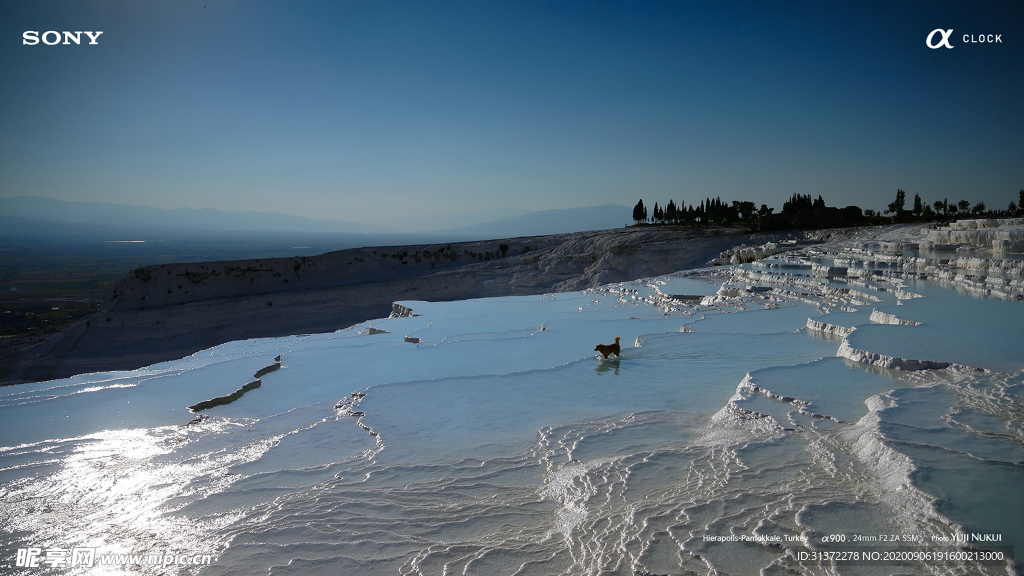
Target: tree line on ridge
x=803 y=211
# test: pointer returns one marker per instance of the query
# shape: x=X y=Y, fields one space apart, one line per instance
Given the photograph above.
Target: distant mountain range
x=546 y=222
x=23 y=216
x=50 y=211
x=433 y=223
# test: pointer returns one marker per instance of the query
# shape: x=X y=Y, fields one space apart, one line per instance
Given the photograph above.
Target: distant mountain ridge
x=545 y=222
x=454 y=220
x=43 y=216
x=126 y=216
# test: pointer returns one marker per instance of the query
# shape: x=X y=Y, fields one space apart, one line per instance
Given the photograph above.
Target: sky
x=375 y=111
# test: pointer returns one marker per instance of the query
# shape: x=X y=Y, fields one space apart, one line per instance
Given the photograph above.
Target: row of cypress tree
x=715 y=211
x=709 y=211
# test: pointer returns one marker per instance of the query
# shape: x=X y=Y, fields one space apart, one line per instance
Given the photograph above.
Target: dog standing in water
x=609 y=349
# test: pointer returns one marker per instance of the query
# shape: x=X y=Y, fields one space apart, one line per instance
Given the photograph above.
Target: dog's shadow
x=608 y=365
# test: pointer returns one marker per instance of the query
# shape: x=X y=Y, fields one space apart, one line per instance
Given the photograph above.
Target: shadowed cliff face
x=169 y=311
x=174 y=284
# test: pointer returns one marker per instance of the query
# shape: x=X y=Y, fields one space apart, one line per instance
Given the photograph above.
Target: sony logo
x=51 y=37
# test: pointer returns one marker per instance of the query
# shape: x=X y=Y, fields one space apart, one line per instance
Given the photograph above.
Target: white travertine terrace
x=833 y=329
x=885 y=318
x=883 y=361
x=998 y=235
x=828 y=271
x=752 y=252
x=993 y=268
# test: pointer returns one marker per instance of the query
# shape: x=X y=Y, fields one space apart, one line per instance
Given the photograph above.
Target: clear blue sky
x=361 y=111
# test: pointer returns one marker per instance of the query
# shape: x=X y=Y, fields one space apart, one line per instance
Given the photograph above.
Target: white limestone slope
x=849 y=269
x=998 y=235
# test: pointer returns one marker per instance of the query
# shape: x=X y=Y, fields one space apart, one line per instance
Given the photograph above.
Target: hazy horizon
x=45 y=215
x=381 y=113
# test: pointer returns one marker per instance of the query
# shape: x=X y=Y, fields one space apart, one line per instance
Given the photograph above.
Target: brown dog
x=609 y=349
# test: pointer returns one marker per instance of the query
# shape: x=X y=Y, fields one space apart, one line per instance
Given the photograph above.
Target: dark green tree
x=896 y=207
x=797 y=203
x=851 y=215
x=918 y=207
x=670 y=211
x=639 y=211
x=745 y=211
